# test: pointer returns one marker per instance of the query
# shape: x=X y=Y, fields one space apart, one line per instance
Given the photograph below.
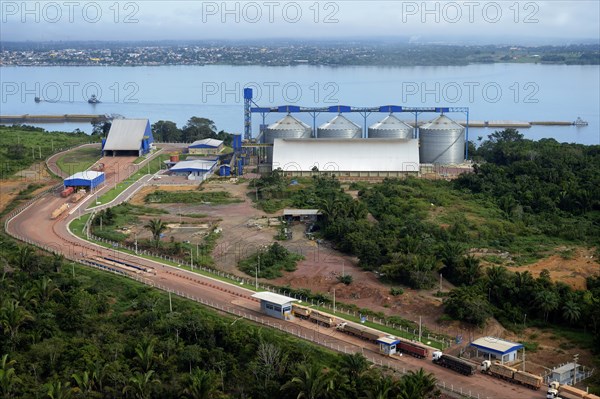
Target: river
x=519 y=92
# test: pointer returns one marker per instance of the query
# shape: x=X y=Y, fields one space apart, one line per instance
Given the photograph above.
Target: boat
x=93 y=99
x=37 y=99
x=580 y=122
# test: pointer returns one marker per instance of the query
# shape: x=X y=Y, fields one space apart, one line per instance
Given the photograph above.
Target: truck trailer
x=510 y=374
x=453 y=363
x=412 y=349
x=557 y=390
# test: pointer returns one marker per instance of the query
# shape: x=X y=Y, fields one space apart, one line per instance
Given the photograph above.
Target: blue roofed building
x=197 y=169
x=275 y=305
x=496 y=348
x=88 y=179
x=128 y=137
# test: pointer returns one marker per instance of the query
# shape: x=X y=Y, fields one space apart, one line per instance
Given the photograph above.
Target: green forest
x=67 y=331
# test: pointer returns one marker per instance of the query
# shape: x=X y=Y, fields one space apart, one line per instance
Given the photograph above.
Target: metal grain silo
x=442 y=141
x=286 y=128
x=340 y=128
x=390 y=128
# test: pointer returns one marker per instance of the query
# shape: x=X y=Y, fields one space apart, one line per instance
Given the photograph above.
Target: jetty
x=27 y=118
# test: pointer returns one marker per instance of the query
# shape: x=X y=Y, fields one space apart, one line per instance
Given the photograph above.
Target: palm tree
x=418 y=385
x=156 y=227
x=310 y=383
x=145 y=355
x=472 y=269
x=8 y=377
x=141 y=384
x=354 y=365
x=85 y=383
x=201 y=385
x=58 y=260
x=25 y=258
x=381 y=389
x=12 y=316
x=547 y=301
x=450 y=255
x=56 y=390
x=45 y=288
x=571 y=311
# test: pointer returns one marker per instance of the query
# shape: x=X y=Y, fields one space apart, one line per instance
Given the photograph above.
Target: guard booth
x=387 y=345
x=275 y=305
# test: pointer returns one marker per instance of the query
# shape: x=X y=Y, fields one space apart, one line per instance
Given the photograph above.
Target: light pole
x=257 y=270
x=192 y=259
x=136 y=251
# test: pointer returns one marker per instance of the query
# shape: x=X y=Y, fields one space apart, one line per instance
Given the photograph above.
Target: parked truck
x=59 y=211
x=557 y=390
x=412 y=349
x=454 y=363
x=510 y=374
x=77 y=196
x=321 y=318
x=360 y=331
x=66 y=192
x=301 y=311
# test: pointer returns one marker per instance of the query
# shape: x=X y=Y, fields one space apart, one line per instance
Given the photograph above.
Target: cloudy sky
x=530 y=22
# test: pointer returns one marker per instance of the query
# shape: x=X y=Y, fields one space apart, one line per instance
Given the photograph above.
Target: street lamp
x=136 y=249
x=257 y=270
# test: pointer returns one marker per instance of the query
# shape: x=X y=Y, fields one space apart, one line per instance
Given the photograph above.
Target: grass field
x=155 y=165
x=22 y=146
x=191 y=197
x=79 y=160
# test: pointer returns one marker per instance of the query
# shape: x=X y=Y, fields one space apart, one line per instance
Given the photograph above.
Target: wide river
x=519 y=92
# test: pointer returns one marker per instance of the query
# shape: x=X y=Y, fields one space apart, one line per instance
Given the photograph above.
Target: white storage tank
x=339 y=127
x=286 y=128
x=390 y=128
x=442 y=141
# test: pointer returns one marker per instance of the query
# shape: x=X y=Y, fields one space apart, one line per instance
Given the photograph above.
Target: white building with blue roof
x=497 y=348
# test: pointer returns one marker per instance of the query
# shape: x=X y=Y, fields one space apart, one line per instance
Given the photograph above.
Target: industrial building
x=88 y=179
x=496 y=348
x=275 y=305
x=339 y=127
x=391 y=128
x=442 y=142
x=286 y=128
x=206 y=146
x=128 y=137
x=347 y=157
x=197 y=169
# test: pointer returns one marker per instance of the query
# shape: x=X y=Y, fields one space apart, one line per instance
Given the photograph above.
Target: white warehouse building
x=347 y=158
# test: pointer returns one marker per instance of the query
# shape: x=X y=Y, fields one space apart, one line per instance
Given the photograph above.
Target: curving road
x=34 y=225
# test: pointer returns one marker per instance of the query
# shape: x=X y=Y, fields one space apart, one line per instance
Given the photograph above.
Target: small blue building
x=225 y=170
x=275 y=305
x=88 y=179
x=497 y=348
x=388 y=345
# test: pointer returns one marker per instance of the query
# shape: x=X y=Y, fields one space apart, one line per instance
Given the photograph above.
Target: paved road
x=35 y=225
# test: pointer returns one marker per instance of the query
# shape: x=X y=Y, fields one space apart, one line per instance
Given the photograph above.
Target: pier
x=27 y=118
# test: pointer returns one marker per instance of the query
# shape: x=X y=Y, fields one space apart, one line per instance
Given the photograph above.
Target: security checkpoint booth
x=388 y=345
x=275 y=305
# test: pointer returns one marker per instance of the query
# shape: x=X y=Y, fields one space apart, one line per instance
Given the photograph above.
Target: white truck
x=557 y=390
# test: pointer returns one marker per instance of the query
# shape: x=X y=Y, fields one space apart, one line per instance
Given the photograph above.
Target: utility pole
x=40 y=151
x=257 y=271
x=440 y=282
x=334 y=301
x=523 y=358
x=136 y=251
x=575 y=359
x=170 y=303
x=420 y=324
x=192 y=258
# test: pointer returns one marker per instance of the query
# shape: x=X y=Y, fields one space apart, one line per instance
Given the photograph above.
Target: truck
x=66 y=192
x=453 y=363
x=301 y=311
x=79 y=195
x=321 y=318
x=556 y=390
x=412 y=349
x=360 y=331
x=59 y=211
x=510 y=374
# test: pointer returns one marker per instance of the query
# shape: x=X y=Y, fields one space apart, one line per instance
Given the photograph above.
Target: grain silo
x=390 y=128
x=442 y=141
x=286 y=128
x=339 y=128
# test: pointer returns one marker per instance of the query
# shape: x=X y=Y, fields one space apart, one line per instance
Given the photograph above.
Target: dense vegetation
x=21 y=146
x=191 y=197
x=71 y=332
x=524 y=200
x=269 y=262
x=196 y=129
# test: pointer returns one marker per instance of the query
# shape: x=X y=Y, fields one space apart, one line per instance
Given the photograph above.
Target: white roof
x=346 y=155
x=301 y=212
x=198 y=164
x=496 y=344
x=273 y=298
x=126 y=134
x=565 y=368
x=85 y=175
x=208 y=142
x=388 y=340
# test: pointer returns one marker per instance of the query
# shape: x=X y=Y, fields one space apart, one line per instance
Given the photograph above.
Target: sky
x=471 y=22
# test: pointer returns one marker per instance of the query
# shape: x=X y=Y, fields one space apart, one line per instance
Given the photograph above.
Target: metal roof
x=388 y=340
x=206 y=143
x=340 y=122
x=565 y=368
x=346 y=155
x=288 y=122
x=274 y=298
x=85 y=175
x=301 y=212
x=392 y=123
x=195 y=165
x=126 y=134
x=442 y=122
x=496 y=345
